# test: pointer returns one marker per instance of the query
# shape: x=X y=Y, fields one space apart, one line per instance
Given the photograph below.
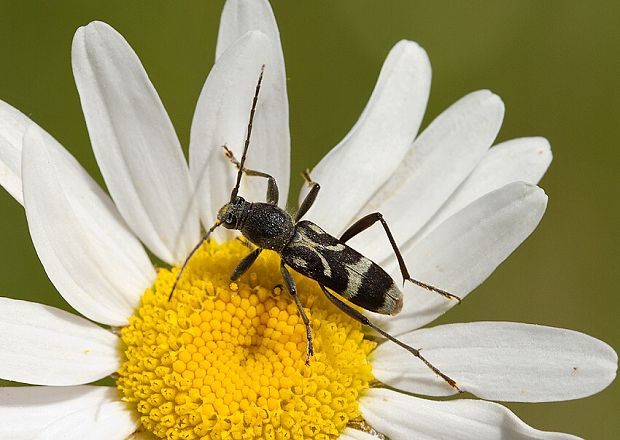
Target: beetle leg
x=273 y=194
x=290 y=285
x=369 y=220
x=310 y=197
x=245 y=242
x=365 y=321
x=245 y=264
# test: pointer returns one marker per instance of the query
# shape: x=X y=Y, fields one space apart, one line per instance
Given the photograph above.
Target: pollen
x=224 y=360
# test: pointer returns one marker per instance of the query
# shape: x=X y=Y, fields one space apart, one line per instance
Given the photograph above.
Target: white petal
x=43 y=345
x=522 y=159
x=221 y=118
x=13 y=124
x=107 y=421
x=242 y=16
x=354 y=434
x=500 y=361
x=440 y=160
x=134 y=142
x=270 y=147
x=370 y=153
x=88 y=252
x=25 y=411
x=400 y=416
x=465 y=249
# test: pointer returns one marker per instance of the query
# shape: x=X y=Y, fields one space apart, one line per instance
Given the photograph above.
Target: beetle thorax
x=267 y=226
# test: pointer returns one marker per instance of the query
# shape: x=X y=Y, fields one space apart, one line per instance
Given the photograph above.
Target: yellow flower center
x=227 y=360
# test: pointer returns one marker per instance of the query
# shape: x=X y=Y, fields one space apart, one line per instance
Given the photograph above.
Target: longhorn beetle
x=312 y=252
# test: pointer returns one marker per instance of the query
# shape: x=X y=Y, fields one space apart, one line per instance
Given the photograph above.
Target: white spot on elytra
x=298 y=261
x=356 y=272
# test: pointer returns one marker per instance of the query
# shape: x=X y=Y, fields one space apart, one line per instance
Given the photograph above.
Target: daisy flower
x=227 y=360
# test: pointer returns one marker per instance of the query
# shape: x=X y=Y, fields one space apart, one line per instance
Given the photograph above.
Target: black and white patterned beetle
x=305 y=247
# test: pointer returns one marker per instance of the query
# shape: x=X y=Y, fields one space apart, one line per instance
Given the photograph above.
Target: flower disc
x=227 y=360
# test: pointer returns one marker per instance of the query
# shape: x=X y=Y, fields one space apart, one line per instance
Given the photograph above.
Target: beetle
x=309 y=250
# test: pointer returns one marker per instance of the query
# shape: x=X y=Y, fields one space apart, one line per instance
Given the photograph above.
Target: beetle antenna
x=191 y=254
x=235 y=190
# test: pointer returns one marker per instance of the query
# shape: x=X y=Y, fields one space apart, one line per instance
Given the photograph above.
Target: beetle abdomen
x=322 y=257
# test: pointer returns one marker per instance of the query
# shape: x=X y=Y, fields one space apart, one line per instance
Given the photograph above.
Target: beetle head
x=231 y=215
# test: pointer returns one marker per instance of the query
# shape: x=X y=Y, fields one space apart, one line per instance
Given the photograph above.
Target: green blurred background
x=556 y=65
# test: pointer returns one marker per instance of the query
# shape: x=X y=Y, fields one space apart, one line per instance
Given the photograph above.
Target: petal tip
x=92 y=30
x=256 y=36
x=492 y=99
x=408 y=45
x=411 y=50
x=531 y=188
x=544 y=148
x=98 y=25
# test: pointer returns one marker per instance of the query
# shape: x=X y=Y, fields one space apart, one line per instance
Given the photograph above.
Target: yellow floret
x=227 y=360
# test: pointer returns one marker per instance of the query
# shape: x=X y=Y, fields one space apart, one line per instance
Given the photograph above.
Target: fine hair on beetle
x=312 y=252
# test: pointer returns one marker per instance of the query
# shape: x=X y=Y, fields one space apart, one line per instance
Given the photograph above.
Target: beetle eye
x=230 y=218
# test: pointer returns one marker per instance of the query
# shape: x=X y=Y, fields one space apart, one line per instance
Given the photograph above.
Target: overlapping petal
x=13 y=124
x=374 y=148
x=271 y=142
x=88 y=252
x=221 y=118
x=112 y=420
x=440 y=159
x=500 y=361
x=400 y=416
x=25 y=411
x=240 y=17
x=464 y=250
x=134 y=142
x=518 y=160
x=42 y=345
